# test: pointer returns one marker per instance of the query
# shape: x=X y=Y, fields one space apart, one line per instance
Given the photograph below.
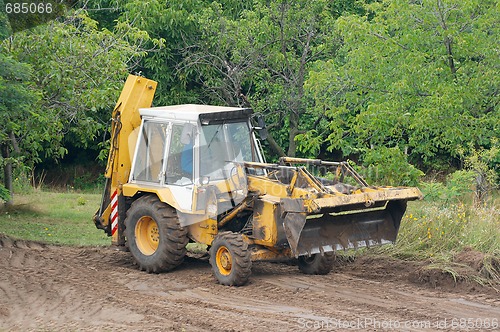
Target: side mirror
x=261 y=127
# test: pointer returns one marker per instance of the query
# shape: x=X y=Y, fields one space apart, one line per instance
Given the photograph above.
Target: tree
x=261 y=58
x=180 y=24
x=421 y=76
x=79 y=73
x=170 y=24
x=16 y=101
x=239 y=53
x=80 y=70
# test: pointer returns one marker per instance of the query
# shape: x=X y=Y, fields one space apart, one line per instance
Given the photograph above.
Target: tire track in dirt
x=45 y=288
x=62 y=288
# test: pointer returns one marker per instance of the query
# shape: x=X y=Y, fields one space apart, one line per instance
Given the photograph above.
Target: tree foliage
x=421 y=76
x=170 y=24
x=5 y=29
x=388 y=82
x=16 y=100
x=79 y=72
x=261 y=58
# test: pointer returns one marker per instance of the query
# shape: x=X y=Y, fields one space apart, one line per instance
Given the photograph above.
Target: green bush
x=389 y=166
x=459 y=184
x=482 y=163
x=433 y=191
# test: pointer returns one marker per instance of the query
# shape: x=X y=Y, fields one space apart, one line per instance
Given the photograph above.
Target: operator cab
x=187 y=146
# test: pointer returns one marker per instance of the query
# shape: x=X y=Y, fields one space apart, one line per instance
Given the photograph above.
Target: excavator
x=196 y=174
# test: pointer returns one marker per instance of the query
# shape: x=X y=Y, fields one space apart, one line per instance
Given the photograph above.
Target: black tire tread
x=174 y=237
x=242 y=263
x=322 y=264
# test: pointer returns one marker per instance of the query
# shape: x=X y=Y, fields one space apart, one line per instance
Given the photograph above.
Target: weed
x=81 y=200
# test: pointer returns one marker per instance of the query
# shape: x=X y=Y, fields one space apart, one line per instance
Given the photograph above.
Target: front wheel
x=317 y=264
x=155 y=238
x=230 y=259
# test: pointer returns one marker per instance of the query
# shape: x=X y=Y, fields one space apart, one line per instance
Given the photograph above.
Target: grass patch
x=440 y=230
x=56 y=218
x=453 y=237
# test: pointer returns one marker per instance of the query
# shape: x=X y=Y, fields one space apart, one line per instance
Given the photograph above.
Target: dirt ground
x=51 y=288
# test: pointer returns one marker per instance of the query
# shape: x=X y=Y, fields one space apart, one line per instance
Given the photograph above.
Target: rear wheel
x=155 y=238
x=230 y=259
x=317 y=264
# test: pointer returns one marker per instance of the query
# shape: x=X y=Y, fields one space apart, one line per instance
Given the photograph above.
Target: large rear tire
x=230 y=259
x=317 y=264
x=155 y=238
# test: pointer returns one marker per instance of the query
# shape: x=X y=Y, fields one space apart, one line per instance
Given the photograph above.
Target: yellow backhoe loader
x=196 y=173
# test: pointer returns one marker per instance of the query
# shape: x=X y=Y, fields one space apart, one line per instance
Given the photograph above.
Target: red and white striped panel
x=114 y=212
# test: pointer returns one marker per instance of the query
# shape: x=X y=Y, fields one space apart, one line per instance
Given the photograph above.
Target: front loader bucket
x=321 y=232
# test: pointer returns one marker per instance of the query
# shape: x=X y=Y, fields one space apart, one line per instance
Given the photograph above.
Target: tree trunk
x=292 y=145
x=7 y=173
x=275 y=146
x=448 y=41
x=451 y=62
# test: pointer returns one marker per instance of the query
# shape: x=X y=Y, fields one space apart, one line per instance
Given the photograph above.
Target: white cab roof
x=189 y=112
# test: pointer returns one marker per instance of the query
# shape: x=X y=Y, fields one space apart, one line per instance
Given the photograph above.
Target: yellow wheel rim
x=147 y=235
x=224 y=260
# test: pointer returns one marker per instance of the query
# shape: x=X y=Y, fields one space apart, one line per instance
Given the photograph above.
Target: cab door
x=179 y=170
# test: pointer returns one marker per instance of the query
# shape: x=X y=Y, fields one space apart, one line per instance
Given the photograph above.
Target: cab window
x=150 y=151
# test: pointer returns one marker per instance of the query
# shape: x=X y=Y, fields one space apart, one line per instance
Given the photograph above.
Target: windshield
x=222 y=144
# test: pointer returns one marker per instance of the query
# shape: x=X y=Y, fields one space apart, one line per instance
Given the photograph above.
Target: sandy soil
x=51 y=288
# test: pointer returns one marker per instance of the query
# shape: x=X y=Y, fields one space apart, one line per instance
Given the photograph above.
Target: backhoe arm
x=138 y=92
